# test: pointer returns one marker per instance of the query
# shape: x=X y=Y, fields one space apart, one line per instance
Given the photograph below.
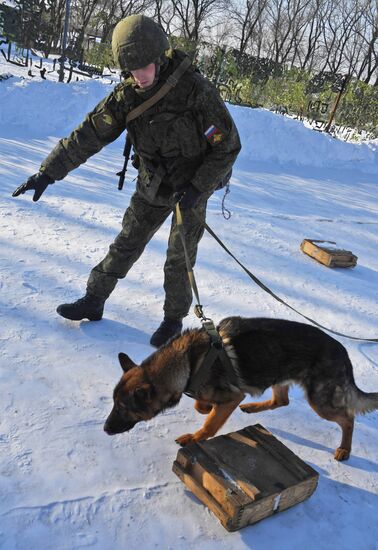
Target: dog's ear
x=143 y=393
x=125 y=362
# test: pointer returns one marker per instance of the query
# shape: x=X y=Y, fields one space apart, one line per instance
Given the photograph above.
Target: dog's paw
x=185 y=439
x=341 y=454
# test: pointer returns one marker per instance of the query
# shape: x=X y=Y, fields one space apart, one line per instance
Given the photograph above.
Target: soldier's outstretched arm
x=37 y=183
x=101 y=126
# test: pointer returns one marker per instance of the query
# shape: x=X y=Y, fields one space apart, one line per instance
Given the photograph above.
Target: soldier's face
x=146 y=76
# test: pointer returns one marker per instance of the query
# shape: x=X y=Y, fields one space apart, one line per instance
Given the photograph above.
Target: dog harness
x=216 y=352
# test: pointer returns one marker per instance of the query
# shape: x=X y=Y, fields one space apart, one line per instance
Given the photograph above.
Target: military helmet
x=138 y=41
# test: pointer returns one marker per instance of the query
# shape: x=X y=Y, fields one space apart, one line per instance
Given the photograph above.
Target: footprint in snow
x=31 y=287
x=27 y=275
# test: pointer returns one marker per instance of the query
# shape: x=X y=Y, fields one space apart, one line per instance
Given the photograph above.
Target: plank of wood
x=203 y=495
x=256 y=470
x=297 y=493
x=207 y=473
x=280 y=452
x=235 y=470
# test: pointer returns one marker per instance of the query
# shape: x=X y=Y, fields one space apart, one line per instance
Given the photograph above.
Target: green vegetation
x=261 y=82
x=241 y=78
x=99 y=55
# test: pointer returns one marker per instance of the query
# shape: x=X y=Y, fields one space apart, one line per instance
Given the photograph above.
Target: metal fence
x=336 y=103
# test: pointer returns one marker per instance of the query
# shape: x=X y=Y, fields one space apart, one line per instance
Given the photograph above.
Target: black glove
x=189 y=198
x=37 y=182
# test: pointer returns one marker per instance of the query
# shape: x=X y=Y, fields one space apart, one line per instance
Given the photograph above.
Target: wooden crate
x=331 y=257
x=245 y=476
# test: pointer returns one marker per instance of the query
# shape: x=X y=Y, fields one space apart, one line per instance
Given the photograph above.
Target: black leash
x=216 y=350
x=264 y=287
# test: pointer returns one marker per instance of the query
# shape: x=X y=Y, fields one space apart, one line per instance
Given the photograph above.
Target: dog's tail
x=365 y=402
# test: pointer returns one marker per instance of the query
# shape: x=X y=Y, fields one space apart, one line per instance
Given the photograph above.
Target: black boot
x=167 y=329
x=89 y=307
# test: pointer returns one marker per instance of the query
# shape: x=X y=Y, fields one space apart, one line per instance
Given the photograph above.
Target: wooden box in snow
x=245 y=476
x=331 y=257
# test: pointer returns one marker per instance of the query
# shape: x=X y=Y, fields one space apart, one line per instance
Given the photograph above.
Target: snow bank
x=267 y=136
x=44 y=108
x=65 y=484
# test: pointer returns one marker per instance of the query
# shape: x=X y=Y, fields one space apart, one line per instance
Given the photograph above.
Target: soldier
x=185 y=146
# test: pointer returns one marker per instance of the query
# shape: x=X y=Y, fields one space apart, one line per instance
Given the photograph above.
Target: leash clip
x=199 y=311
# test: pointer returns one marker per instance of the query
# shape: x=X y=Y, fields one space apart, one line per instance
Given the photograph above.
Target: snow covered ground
x=64 y=484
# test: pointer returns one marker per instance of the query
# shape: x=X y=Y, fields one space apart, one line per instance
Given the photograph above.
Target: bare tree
x=53 y=24
x=109 y=12
x=287 y=19
x=369 y=36
x=247 y=21
x=342 y=21
x=81 y=14
x=221 y=33
x=191 y=15
x=326 y=35
x=309 y=40
x=164 y=14
x=105 y=19
x=355 y=47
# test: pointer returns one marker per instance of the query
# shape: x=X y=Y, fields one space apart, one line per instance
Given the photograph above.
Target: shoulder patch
x=102 y=119
x=107 y=119
x=103 y=122
x=214 y=135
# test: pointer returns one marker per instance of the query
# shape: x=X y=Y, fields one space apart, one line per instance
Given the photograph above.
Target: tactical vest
x=168 y=138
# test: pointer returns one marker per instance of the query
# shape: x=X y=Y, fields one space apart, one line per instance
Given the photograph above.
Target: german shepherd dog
x=263 y=352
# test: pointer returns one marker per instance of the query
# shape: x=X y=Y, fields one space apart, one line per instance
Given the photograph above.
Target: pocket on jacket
x=177 y=134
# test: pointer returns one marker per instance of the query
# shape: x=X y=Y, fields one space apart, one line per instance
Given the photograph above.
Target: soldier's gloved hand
x=37 y=183
x=189 y=198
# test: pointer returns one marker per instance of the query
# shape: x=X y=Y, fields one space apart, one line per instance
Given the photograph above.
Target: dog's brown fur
x=265 y=353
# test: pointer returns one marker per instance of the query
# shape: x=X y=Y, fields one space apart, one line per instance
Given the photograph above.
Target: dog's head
x=132 y=398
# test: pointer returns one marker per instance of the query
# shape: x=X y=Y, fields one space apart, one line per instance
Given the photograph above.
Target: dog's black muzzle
x=116 y=425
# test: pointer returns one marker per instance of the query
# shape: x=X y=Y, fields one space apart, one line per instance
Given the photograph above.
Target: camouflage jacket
x=186 y=137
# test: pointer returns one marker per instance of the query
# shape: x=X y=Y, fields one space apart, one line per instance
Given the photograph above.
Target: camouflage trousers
x=141 y=220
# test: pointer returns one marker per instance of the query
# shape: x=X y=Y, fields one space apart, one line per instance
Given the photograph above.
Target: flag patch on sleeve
x=214 y=135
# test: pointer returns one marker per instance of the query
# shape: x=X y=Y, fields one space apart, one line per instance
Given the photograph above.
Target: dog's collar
x=197 y=379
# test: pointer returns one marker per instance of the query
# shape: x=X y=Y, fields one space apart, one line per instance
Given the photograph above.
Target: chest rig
x=164 y=134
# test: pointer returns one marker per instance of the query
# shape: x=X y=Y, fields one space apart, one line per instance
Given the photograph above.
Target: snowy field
x=65 y=484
